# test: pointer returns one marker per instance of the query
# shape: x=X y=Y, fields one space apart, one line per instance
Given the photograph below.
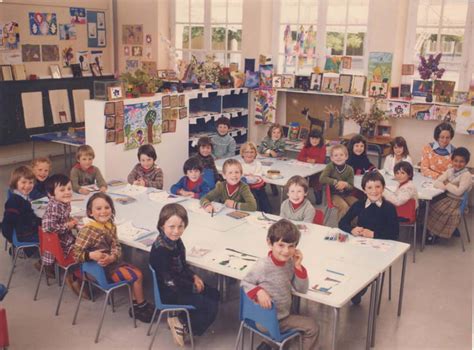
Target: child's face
x=249 y=155
x=358 y=148
x=314 y=141
x=458 y=163
x=282 y=251
x=85 y=161
x=398 y=151
x=146 y=162
x=296 y=194
x=232 y=174
x=222 y=129
x=101 y=210
x=401 y=176
x=193 y=174
x=374 y=190
x=276 y=134
x=338 y=157
x=174 y=228
x=24 y=185
x=205 y=150
x=41 y=171
x=63 y=193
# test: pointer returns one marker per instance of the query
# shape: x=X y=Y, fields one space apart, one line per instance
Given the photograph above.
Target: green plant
x=142 y=81
x=367 y=121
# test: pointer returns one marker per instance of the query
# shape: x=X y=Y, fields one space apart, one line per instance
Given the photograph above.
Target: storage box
x=102 y=86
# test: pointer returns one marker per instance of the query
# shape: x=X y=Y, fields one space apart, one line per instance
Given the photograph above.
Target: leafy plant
x=367 y=121
x=429 y=68
x=141 y=81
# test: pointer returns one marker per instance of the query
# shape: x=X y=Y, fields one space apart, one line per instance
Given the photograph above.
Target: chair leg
x=14 y=252
x=300 y=341
x=462 y=242
x=66 y=271
x=380 y=295
x=130 y=302
x=414 y=243
x=151 y=323
x=78 y=301
x=188 y=317
x=156 y=329
x=112 y=303
x=326 y=215
x=390 y=283
x=56 y=274
x=104 y=309
x=91 y=292
x=239 y=335
x=251 y=340
x=467 y=230
x=39 y=281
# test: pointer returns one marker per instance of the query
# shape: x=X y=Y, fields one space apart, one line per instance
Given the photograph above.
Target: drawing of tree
x=150 y=119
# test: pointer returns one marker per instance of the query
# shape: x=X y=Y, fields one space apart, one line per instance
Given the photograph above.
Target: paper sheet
x=328 y=282
x=60 y=107
x=130 y=190
x=231 y=260
x=33 y=109
x=79 y=96
x=371 y=243
x=127 y=231
x=196 y=207
x=165 y=197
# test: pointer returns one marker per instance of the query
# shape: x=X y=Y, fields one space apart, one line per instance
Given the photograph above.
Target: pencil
x=212 y=212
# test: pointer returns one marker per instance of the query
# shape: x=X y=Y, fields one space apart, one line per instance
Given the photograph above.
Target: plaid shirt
x=55 y=220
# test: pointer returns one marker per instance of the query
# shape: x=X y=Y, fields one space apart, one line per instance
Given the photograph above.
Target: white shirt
x=402 y=194
x=390 y=163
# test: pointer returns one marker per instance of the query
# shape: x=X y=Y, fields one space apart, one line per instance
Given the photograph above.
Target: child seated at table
x=83 y=173
x=444 y=215
x=98 y=241
x=297 y=207
x=178 y=284
x=192 y=184
x=232 y=192
x=398 y=153
x=404 y=191
x=340 y=178
x=209 y=173
x=358 y=159
x=273 y=145
x=314 y=151
x=272 y=279
x=41 y=168
x=252 y=169
x=223 y=144
x=146 y=173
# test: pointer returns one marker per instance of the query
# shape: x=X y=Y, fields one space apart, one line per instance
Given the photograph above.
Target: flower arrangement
x=140 y=83
x=429 y=68
x=367 y=121
x=207 y=71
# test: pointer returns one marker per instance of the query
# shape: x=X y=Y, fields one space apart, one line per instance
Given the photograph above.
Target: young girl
x=399 y=152
x=98 y=241
x=209 y=173
x=314 y=151
x=358 y=159
x=252 y=170
x=178 y=284
x=444 y=215
x=146 y=173
x=405 y=190
x=41 y=168
x=273 y=145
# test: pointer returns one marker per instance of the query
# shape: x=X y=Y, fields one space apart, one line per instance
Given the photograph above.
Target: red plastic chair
x=408 y=211
x=318 y=217
x=329 y=204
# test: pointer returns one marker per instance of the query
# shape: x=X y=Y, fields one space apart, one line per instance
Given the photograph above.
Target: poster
x=10 y=36
x=265 y=106
x=465 y=120
x=266 y=72
x=96 y=27
x=380 y=67
x=142 y=124
x=78 y=15
x=30 y=53
x=50 y=53
x=67 y=31
x=397 y=109
x=132 y=34
x=422 y=111
x=83 y=59
x=96 y=57
x=300 y=46
x=445 y=113
x=43 y=23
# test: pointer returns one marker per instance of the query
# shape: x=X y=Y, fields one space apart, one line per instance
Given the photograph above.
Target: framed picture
x=346 y=62
x=383 y=130
x=76 y=70
x=315 y=83
x=164 y=126
x=165 y=101
x=408 y=69
x=55 y=71
x=302 y=82
x=96 y=72
x=166 y=113
x=6 y=72
x=174 y=102
x=182 y=100
x=110 y=122
x=114 y=93
x=174 y=113
x=19 y=71
x=288 y=81
x=109 y=108
x=345 y=81
x=304 y=132
x=443 y=88
x=394 y=92
x=405 y=90
x=109 y=136
x=277 y=81
x=378 y=89
x=171 y=125
x=358 y=84
x=329 y=83
x=119 y=136
x=421 y=87
x=119 y=108
x=183 y=113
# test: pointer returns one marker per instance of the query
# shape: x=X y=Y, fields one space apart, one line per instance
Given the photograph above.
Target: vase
x=429 y=97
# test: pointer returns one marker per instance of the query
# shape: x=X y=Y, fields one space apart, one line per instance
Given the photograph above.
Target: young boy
x=192 y=185
x=41 y=168
x=340 y=177
x=232 y=192
x=209 y=173
x=83 y=173
x=146 y=173
x=223 y=144
x=272 y=278
x=297 y=207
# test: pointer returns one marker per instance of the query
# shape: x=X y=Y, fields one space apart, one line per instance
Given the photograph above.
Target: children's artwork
x=405 y=90
x=445 y=113
x=43 y=23
x=380 y=67
x=165 y=100
x=100 y=20
x=329 y=83
x=30 y=53
x=396 y=109
x=276 y=81
x=126 y=50
x=92 y=30
x=67 y=56
x=288 y=81
x=142 y=124
x=465 y=120
x=249 y=64
x=83 y=59
x=421 y=87
x=328 y=281
x=316 y=79
x=358 y=85
x=137 y=51
x=67 y=31
x=149 y=67
x=333 y=64
x=346 y=62
x=78 y=15
x=460 y=97
x=182 y=100
x=119 y=137
x=115 y=93
x=109 y=136
x=265 y=73
x=32 y=103
x=302 y=82
x=19 y=71
x=148 y=38
x=132 y=34
x=96 y=57
x=131 y=65
x=96 y=36
x=174 y=101
x=169 y=126
x=60 y=107
x=251 y=79
x=443 y=88
x=408 y=69
x=110 y=122
x=174 y=114
x=50 y=53
x=10 y=56
x=109 y=108
x=376 y=244
x=166 y=113
x=183 y=113
x=165 y=197
x=378 y=89
x=265 y=106
x=10 y=36
x=6 y=72
x=421 y=111
x=345 y=81
x=129 y=190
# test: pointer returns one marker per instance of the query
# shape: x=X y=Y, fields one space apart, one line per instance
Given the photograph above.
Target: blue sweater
x=201 y=188
x=39 y=191
x=19 y=216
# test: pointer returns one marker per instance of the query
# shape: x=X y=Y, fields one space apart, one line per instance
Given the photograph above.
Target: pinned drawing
x=380 y=67
x=10 y=36
x=265 y=106
x=142 y=124
x=43 y=23
x=132 y=34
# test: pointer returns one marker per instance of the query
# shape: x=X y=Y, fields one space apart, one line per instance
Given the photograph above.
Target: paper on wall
x=59 y=101
x=79 y=96
x=33 y=109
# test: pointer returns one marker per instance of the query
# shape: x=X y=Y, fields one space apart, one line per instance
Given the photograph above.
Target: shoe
x=143 y=313
x=431 y=239
x=456 y=233
x=177 y=330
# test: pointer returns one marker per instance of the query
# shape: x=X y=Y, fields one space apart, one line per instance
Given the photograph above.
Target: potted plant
x=140 y=83
x=367 y=121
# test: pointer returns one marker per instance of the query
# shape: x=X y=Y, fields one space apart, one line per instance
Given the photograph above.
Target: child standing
x=146 y=173
x=83 y=173
x=340 y=178
x=98 y=241
x=358 y=159
x=232 y=192
x=272 y=279
x=178 y=284
x=398 y=153
x=444 y=215
x=314 y=151
x=210 y=173
x=405 y=190
x=223 y=144
x=273 y=145
x=297 y=207
x=252 y=170
x=41 y=168
x=192 y=184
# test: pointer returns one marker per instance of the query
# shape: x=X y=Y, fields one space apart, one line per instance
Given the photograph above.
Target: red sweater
x=313 y=152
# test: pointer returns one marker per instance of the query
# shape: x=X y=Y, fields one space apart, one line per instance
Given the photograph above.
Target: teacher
x=436 y=156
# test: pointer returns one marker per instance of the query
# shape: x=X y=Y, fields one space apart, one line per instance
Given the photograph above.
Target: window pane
x=218 y=8
x=182 y=36
x=335 y=40
x=197 y=37
x=309 y=11
x=286 y=64
x=289 y=11
x=451 y=44
x=426 y=41
x=287 y=39
x=218 y=38
x=197 y=11
x=234 y=11
x=454 y=13
x=234 y=38
x=234 y=57
x=358 y=12
x=355 y=41
x=429 y=12
x=179 y=54
x=336 y=12
x=182 y=10
x=219 y=57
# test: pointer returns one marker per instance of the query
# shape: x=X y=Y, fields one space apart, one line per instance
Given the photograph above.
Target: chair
x=95 y=275
x=9 y=194
x=166 y=308
x=252 y=314
x=462 y=208
x=18 y=246
x=329 y=204
x=409 y=211
x=318 y=217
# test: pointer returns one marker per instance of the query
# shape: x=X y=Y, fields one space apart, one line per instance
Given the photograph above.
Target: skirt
x=444 y=217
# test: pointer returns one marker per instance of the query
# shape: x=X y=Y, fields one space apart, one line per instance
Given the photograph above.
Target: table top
x=62 y=137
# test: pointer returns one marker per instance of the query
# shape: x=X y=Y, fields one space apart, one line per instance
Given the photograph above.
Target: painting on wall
x=50 y=53
x=443 y=88
x=43 y=23
x=10 y=36
x=265 y=106
x=397 y=109
x=445 y=113
x=266 y=72
x=30 y=53
x=142 y=124
x=421 y=87
x=67 y=31
x=132 y=34
x=380 y=67
x=78 y=15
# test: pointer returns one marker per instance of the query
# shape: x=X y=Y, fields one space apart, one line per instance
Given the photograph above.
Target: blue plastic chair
x=95 y=275
x=18 y=246
x=462 y=209
x=166 y=308
x=9 y=194
x=3 y=291
x=252 y=314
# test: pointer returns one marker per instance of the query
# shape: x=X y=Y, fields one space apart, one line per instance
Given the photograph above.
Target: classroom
x=236 y=174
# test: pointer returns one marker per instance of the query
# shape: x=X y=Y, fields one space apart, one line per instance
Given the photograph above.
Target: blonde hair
x=22 y=171
x=246 y=146
x=38 y=160
x=85 y=150
x=230 y=162
x=341 y=147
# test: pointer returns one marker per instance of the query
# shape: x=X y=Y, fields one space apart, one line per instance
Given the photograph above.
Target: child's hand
x=84 y=191
x=209 y=208
x=139 y=182
x=229 y=203
x=263 y=299
x=312 y=161
x=367 y=233
x=198 y=283
x=340 y=185
x=298 y=258
x=71 y=223
x=106 y=260
x=186 y=193
x=103 y=189
x=273 y=154
x=357 y=231
x=97 y=255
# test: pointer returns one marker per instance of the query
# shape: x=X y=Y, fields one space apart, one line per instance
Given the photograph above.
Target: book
x=237 y=214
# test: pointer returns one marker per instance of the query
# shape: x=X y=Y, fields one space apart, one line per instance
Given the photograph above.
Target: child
x=399 y=152
x=297 y=207
x=444 y=215
x=272 y=279
x=146 y=173
x=192 y=184
x=252 y=170
x=209 y=173
x=178 y=284
x=373 y=217
x=314 y=151
x=223 y=144
x=83 y=173
x=98 y=241
x=41 y=168
x=340 y=177
x=232 y=192
x=273 y=145
x=358 y=159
